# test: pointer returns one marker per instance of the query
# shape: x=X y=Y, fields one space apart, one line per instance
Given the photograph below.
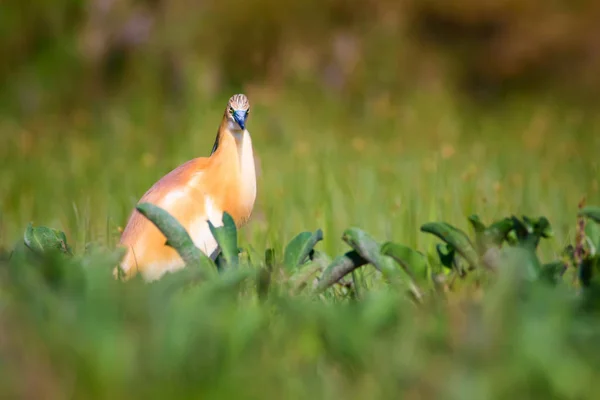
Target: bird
x=197 y=191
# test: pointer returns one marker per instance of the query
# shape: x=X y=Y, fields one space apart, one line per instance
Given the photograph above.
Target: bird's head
x=237 y=112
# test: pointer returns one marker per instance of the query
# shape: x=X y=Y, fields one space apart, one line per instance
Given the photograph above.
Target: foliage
x=313 y=332
x=350 y=162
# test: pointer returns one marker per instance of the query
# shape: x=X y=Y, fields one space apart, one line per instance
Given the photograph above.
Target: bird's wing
x=181 y=193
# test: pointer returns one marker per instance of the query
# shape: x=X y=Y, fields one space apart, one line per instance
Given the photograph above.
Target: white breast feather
x=200 y=231
x=248 y=171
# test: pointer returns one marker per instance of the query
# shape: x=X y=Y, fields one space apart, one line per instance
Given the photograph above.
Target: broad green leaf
x=475 y=221
x=523 y=231
x=320 y=257
x=590 y=212
x=497 y=232
x=370 y=250
x=543 y=227
x=521 y=227
x=42 y=239
x=511 y=237
x=226 y=237
x=413 y=261
x=456 y=238
x=592 y=231
x=177 y=237
x=299 y=248
x=446 y=253
x=340 y=267
x=479 y=229
x=57 y=267
x=529 y=231
x=539 y=226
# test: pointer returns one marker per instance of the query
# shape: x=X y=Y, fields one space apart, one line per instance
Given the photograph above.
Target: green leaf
x=226 y=237
x=539 y=226
x=456 y=238
x=552 y=272
x=299 y=248
x=177 y=237
x=42 y=240
x=413 y=261
x=543 y=228
x=475 y=221
x=320 y=257
x=479 y=229
x=522 y=227
x=590 y=212
x=529 y=231
x=446 y=254
x=592 y=231
x=497 y=232
x=339 y=267
x=302 y=275
x=370 y=250
x=511 y=237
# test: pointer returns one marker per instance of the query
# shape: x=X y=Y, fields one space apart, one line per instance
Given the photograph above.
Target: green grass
x=386 y=169
x=320 y=166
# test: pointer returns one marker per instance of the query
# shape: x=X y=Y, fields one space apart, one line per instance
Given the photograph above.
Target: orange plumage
x=195 y=192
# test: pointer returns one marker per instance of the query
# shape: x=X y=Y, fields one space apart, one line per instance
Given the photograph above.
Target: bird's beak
x=240 y=118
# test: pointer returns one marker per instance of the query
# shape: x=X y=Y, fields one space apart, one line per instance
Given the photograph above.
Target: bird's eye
x=230 y=110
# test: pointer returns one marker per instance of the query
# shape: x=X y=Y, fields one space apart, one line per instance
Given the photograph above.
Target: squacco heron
x=196 y=192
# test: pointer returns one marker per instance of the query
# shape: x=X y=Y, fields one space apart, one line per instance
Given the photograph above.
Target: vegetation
x=314 y=317
x=408 y=238
x=308 y=325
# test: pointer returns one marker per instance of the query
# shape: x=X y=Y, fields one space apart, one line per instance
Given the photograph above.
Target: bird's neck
x=229 y=141
x=233 y=149
x=224 y=133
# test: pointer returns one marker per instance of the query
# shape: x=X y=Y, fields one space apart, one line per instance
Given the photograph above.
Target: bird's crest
x=239 y=102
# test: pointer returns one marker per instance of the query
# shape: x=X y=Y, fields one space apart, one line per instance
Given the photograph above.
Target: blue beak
x=240 y=118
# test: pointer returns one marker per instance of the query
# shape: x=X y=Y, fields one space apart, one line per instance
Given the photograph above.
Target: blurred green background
x=380 y=114
x=377 y=113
